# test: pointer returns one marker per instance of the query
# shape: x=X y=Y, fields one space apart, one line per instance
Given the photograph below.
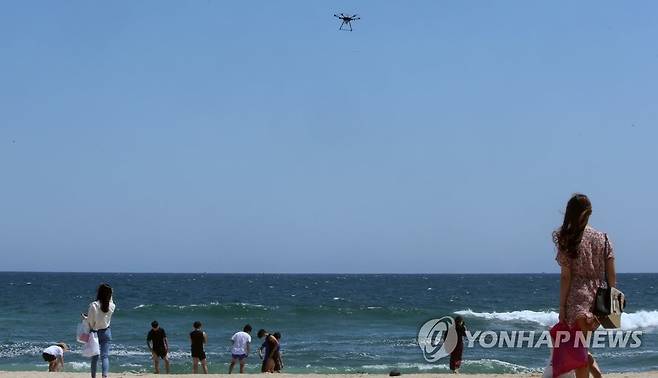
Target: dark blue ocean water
x=330 y=323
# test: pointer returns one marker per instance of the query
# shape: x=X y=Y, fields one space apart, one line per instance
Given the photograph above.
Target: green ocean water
x=329 y=323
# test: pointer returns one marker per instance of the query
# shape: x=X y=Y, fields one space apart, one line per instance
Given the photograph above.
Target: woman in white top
x=99 y=316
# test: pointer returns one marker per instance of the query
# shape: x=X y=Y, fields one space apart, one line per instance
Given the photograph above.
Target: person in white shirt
x=99 y=317
x=240 y=350
x=54 y=355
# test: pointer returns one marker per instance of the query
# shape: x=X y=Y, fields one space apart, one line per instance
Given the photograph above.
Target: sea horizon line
x=308 y=273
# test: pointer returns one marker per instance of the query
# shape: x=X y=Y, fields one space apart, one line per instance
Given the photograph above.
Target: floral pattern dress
x=587 y=273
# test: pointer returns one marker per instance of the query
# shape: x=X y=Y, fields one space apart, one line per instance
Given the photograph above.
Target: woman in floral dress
x=584 y=255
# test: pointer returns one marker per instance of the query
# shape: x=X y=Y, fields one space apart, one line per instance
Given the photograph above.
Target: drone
x=346 y=20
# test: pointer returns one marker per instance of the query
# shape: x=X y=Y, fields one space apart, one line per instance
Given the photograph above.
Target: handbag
x=92 y=347
x=609 y=301
x=83 y=331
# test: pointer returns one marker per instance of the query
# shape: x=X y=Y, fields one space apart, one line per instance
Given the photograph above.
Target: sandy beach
x=21 y=374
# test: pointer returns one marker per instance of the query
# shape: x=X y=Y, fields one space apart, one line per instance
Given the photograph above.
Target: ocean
x=330 y=323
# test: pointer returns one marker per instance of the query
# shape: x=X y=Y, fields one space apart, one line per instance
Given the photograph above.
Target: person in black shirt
x=157 y=342
x=198 y=338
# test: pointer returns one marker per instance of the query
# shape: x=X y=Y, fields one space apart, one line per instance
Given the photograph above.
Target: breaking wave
x=630 y=321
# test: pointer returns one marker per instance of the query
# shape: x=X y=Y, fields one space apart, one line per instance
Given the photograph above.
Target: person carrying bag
x=609 y=302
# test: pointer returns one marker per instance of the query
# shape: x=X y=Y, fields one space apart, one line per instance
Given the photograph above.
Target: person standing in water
x=456 y=354
x=270 y=345
x=99 y=316
x=157 y=342
x=585 y=256
x=240 y=350
x=278 y=361
x=198 y=339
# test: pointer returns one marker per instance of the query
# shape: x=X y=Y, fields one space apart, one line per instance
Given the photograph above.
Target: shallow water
x=330 y=323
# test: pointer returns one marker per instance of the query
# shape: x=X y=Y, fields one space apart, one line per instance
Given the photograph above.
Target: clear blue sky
x=255 y=137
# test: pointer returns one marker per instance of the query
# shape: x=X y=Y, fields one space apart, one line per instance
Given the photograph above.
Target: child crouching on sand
x=54 y=355
x=198 y=338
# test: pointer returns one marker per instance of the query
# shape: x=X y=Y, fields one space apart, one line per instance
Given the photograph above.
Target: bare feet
x=593 y=366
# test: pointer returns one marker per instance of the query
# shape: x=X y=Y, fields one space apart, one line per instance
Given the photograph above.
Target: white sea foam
x=75 y=365
x=481 y=365
x=405 y=365
x=496 y=365
x=543 y=318
x=640 y=320
x=202 y=305
x=131 y=365
x=630 y=321
x=20 y=349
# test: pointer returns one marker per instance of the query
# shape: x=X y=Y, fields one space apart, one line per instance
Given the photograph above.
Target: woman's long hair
x=104 y=296
x=569 y=236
